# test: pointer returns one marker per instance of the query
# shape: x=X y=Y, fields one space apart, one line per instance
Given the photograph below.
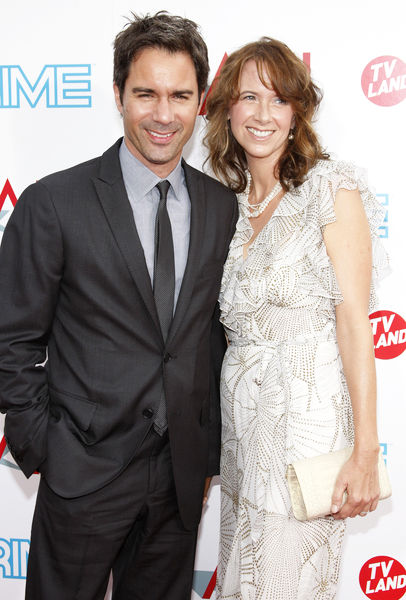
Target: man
x=115 y=281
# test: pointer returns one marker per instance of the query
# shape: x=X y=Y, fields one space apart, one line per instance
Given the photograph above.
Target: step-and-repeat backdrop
x=57 y=109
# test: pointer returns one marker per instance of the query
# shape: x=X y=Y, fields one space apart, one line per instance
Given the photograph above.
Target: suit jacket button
x=148 y=413
x=167 y=357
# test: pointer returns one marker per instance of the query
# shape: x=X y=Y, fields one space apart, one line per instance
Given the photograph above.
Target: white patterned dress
x=284 y=396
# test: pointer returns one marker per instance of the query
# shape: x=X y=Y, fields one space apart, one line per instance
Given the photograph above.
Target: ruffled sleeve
x=329 y=177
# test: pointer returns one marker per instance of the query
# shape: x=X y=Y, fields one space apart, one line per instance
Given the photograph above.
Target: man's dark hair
x=165 y=31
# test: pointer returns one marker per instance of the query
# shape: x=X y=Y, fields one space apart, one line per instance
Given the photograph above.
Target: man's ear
x=200 y=102
x=117 y=98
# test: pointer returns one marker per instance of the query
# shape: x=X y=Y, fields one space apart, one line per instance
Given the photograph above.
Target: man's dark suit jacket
x=74 y=286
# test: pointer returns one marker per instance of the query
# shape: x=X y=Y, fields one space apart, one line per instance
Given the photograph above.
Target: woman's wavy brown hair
x=291 y=81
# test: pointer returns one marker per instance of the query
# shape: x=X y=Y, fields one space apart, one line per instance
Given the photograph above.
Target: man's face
x=159 y=107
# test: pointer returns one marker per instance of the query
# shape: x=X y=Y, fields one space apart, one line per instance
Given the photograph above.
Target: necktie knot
x=163 y=187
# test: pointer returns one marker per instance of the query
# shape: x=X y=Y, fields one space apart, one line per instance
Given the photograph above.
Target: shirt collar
x=142 y=179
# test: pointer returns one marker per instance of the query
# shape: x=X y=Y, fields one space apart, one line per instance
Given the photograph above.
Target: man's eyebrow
x=184 y=92
x=137 y=90
x=142 y=90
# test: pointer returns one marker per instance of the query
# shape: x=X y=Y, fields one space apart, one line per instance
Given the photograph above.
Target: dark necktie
x=164 y=281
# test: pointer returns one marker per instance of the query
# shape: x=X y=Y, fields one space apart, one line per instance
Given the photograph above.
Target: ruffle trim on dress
x=321 y=281
x=234 y=303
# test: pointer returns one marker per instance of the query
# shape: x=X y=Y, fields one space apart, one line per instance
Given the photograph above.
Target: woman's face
x=259 y=119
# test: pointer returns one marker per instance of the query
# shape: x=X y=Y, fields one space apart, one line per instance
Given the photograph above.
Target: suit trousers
x=131 y=525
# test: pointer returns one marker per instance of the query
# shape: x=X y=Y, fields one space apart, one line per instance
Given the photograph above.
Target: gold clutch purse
x=311 y=482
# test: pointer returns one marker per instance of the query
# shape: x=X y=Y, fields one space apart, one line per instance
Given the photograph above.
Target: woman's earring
x=291 y=136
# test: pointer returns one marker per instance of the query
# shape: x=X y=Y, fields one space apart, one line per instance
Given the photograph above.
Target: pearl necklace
x=254 y=210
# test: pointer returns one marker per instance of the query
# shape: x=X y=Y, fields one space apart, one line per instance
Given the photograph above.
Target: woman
x=298 y=377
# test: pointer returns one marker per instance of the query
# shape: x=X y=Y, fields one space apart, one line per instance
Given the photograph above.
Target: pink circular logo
x=383 y=578
x=384 y=80
x=389 y=331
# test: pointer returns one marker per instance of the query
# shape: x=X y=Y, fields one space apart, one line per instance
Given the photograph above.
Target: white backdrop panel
x=342 y=39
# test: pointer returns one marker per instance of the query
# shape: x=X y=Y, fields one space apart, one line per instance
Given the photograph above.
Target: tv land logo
x=389 y=331
x=383 y=578
x=13 y=558
x=383 y=80
x=56 y=86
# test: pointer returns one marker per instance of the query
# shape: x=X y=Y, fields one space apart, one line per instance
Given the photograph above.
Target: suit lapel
x=195 y=186
x=117 y=209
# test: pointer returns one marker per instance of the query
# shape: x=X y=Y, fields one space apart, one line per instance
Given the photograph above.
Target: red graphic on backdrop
x=306 y=60
x=2 y=446
x=389 y=331
x=210 y=588
x=384 y=80
x=7 y=192
x=383 y=578
x=213 y=85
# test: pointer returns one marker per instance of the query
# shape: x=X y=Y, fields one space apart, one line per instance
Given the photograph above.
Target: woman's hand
x=206 y=489
x=359 y=478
